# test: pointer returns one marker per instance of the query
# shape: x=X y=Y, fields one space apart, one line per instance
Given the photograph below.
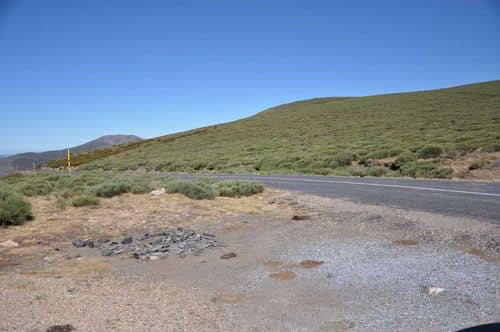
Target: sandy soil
x=345 y=267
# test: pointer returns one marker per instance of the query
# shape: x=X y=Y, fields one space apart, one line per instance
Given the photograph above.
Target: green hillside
x=421 y=134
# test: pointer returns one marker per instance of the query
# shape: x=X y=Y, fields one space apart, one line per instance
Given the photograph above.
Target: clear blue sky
x=71 y=71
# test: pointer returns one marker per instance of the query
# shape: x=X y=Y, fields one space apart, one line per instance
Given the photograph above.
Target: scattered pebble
x=61 y=328
x=228 y=255
x=301 y=217
x=9 y=244
x=434 y=290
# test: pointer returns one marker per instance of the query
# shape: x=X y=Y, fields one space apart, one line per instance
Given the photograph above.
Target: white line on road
x=371 y=185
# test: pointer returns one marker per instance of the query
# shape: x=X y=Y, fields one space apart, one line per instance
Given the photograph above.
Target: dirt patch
x=284 y=275
x=78 y=269
x=229 y=298
x=478 y=253
x=273 y=265
x=310 y=264
x=338 y=326
x=405 y=242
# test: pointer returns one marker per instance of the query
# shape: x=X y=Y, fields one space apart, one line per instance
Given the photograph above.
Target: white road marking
x=371 y=185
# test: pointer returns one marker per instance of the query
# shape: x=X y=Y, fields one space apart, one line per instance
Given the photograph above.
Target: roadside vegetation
x=421 y=134
x=88 y=188
x=14 y=209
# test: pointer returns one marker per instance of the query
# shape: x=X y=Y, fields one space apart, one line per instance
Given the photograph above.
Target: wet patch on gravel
x=405 y=242
x=283 y=275
x=393 y=278
x=310 y=264
x=228 y=298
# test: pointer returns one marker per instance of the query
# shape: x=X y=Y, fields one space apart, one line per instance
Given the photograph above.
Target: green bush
x=37 y=188
x=86 y=200
x=426 y=169
x=429 y=151
x=14 y=209
x=238 y=188
x=344 y=158
x=376 y=171
x=138 y=186
x=191 y=189
x=405 y=158
x=111 y=189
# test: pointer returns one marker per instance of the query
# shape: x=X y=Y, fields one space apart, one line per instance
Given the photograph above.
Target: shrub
x=343 y=159
x=404 y=158
x=376 y=171
x=191 y=189
x=60 y=203
x=477 y=164
x=37 y=188
x=426 y=169
x=238 y=188
x=110 y=189
x=14 y=209
x=139 y=186
x=429 y=151
x=86 y=200
x=358 y=172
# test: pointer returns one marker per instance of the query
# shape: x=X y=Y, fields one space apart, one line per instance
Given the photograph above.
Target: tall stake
x=69 y=161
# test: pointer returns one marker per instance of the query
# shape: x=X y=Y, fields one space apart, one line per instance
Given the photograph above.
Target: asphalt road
x=457 y=198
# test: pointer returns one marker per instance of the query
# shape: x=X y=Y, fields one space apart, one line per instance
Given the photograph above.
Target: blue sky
x=71 y=71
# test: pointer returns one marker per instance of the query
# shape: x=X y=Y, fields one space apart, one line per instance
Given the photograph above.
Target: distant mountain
x=24 y=161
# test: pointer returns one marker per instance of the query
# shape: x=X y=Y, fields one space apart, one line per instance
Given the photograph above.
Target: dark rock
x=127 y=240
x=301 y=217
x=228 y=255
x=61 y=328
x=79 y=243
x=71 y=290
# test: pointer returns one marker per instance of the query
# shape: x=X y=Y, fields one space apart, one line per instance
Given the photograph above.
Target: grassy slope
x=305 y=136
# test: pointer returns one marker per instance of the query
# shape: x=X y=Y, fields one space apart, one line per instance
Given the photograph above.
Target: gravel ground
x=105 y=303
x=345 y=267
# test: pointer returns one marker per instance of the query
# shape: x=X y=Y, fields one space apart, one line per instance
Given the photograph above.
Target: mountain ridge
x=24 y=161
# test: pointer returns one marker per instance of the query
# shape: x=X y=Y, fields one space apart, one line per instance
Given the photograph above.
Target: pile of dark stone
x=151 y=246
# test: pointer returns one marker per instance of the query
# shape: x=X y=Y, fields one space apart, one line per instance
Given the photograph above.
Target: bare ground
x=346 y=267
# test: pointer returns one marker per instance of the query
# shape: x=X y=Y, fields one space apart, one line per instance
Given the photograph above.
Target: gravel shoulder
x=339 y=266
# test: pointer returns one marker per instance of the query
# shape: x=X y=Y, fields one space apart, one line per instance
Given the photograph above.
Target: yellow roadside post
x=69 y=161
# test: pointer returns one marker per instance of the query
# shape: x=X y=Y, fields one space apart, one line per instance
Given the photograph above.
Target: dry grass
x=78 y=269
x=128 y=214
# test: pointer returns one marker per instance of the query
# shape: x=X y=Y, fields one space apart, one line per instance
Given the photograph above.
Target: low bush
x=376 y=171
x=405 y=158
x=138 y=186
x=426 y=169
x=86 y=200
x=191 y=189
x=111 y=189
x=429 y=151
x=14 y=209
x=343 y=159
x=477 y=164
x=238 y=188
x=37 y=188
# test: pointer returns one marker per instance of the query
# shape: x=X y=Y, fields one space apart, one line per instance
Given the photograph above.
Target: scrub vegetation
x=418 y=134
x=87 y=188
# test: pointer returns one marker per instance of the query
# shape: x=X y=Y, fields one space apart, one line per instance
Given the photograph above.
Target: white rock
x=157 y=192
x=154 y=258
x=434 y=290
x=9 y=244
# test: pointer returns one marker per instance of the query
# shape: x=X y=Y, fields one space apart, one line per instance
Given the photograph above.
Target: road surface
x=457 y=198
